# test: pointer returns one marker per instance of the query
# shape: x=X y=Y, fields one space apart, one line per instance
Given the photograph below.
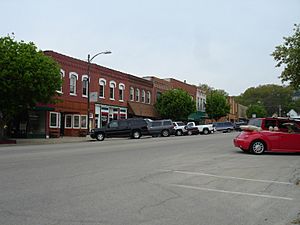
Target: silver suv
x=162 y=128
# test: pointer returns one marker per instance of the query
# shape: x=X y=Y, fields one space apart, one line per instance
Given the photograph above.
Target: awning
x=143 y=110
x=197 y=116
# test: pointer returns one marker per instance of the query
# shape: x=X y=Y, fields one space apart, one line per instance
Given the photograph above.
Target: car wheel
x=189 y=132
x=136 y=134
x=257 y=147
x=165 y=133
x=100 y=137
x=228 y=130
x=205 y=131
x=178 y=132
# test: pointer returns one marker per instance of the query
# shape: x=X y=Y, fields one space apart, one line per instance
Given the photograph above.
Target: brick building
x=113 y=95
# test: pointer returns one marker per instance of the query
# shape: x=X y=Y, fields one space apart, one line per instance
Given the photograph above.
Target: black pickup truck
x=133 y=128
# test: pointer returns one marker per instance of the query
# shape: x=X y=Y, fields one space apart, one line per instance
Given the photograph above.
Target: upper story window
x=121 y=92
x=112 y=87
x=62 y=75
x=148 y=100
x=137 y=95
x=73 y=82
x=131 y=93
x=85 y=85
x=143 y=96
x=102 y=83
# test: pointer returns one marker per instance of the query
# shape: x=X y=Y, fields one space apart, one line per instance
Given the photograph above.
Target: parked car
x=203 y=129
x=179 y=128
x=191 y=130
x=133 y=128
x=224 y=126
x=162 y=128
x=237 y=125
x=256 y=140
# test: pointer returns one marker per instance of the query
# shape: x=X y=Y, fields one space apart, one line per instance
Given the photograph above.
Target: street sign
x=93 y=96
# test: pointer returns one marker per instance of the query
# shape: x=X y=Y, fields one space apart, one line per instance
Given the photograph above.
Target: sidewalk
x=41 y=141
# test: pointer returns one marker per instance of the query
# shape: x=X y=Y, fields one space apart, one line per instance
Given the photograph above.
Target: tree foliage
x=257 y=110
x=216 y=104
x=27 y=77
x=288 y=55
x=272 y=97
x=175 y=104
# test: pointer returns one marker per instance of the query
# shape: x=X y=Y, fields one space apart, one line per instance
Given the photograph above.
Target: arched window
x=137 y=95
x=131 y=94
x=112 y=86
x=73 y=82
x=143 y=96
x=102 y=83
x=121 y=92
x=62 y=75
x=84 y=85
x=148 y=97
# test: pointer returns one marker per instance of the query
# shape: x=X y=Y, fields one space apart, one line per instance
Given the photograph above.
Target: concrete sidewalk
x=41 y=141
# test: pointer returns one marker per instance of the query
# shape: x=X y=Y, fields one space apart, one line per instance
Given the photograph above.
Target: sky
x=224 y=44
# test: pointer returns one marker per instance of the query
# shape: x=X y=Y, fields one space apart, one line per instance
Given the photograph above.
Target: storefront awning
x=143 y=110
x=197 y=116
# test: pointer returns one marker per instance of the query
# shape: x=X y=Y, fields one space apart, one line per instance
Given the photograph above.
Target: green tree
x=288 y=55
x=27 y=77
x=216 y=104
x=175 y=104
x=257 y=110
x=271 y=96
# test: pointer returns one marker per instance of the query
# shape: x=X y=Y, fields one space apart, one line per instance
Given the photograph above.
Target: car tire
x=205 y=131
x=189 y=132
x=136 y=134
x=257 y=147
x=178 y=132
x=100 y=136
x=165 y=133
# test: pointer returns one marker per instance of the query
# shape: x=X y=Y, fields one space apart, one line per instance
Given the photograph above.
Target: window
x=113 y=124
x=68 y=121
x=137 y=95
x=73 y=79
x=131 y=94
x=76 y=121
x=102 y=83
x=121 y=92
x=158 y=94
x=83 y=121
x=148 y=97
x=85 y=85
x=62 y=75
x=143 y=96
x=112 y=86
x=54 y=120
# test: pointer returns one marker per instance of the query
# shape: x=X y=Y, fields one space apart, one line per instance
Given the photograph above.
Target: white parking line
x=231 y=192
x=226 y=177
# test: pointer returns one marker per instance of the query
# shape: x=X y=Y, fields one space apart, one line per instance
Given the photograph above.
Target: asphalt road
x=190 y=180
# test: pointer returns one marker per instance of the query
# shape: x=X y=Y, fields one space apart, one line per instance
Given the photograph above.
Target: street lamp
x=90 y=59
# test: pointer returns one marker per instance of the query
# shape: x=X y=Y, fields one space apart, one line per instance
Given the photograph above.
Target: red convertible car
x=255 y=140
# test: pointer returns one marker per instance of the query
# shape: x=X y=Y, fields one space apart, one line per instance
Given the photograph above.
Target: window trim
x=143 y=96
x=57 y=120
x=62 y=75
x=85 y=77
x=69 y=115
x=148 y=97
x=113 y=85
x=79 y=121
x=102 y=82
x=73 y=74
x=81 y=116
x=131 y=91
x=137 y=95
x=121 y=88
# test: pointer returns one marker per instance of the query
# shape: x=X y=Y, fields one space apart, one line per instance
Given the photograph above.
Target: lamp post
x=90 y=59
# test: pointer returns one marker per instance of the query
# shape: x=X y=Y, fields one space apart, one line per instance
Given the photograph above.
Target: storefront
x=105 y=113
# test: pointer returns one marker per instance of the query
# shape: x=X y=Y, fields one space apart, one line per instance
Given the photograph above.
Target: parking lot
x=198 y=179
